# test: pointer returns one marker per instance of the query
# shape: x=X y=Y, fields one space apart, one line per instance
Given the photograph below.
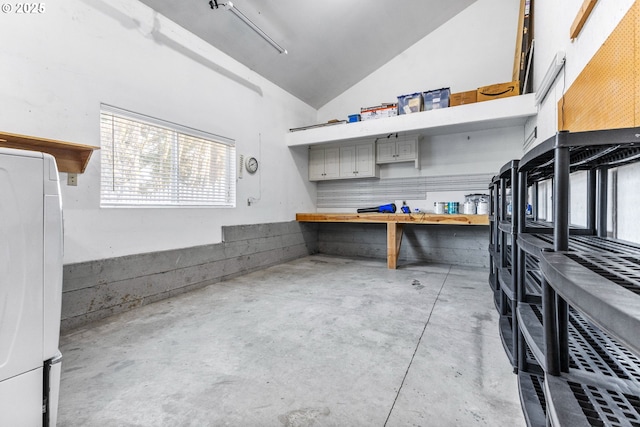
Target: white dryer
x=31 y=249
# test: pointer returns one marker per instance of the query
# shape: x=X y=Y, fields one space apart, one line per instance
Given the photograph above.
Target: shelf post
x=523 y=201
x=561 y=195
x=549 y=320
x=517 y=220
x=517 y=213
x=494 y=209
x=502 y=208
x=603 y=178
x=591 y=201
x=520 y=343
x=562 y=310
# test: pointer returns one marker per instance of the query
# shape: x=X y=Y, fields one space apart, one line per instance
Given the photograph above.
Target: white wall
x=475 y=48
x=462 y=153
x=58 y=67
x=475 y=152
x=552 y=23
x=553 y=19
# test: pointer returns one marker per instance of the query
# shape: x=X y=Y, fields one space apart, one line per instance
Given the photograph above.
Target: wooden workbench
x=395 y=223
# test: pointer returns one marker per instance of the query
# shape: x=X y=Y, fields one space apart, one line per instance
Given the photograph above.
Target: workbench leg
x=394 y=239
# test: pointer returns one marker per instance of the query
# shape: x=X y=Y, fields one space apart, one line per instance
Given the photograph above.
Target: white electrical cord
x=252 y=200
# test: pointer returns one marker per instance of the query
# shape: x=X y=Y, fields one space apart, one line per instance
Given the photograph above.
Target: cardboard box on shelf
x=379 y=111
x=500 y=90
x=461 y=98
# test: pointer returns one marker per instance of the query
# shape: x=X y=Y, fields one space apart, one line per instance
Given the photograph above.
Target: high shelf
x=505 y=112
x=577 y=291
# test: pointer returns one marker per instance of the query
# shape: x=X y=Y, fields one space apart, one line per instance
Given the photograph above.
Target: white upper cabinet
x=324 y=163
x=342 y=162
x=358 y=161
x=401 y=149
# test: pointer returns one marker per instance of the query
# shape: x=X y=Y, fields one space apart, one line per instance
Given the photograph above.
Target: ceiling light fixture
x=229 y=6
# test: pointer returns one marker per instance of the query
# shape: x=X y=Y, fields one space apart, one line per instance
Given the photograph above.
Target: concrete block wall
x=94 y=290
x=448 y=244
x=97 y=289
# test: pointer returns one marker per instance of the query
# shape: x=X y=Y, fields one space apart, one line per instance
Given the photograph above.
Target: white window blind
x=149 y=162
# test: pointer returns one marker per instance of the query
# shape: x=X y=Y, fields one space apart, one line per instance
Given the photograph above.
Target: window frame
x=179 y=195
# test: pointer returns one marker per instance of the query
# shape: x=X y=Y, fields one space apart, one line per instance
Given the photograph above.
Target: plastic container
x=469 y=208
x=412 y=103
x=483 y=207
x=475 y=197
x=435 y=99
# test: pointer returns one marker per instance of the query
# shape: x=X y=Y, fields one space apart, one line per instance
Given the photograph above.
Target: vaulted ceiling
x=331 y=44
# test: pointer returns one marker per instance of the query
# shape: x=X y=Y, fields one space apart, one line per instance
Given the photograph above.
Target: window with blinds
x=150 y=162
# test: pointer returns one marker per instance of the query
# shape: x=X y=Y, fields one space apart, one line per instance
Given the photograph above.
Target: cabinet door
x=365 y=161
x=348 y=164
x=316 y=164
x=351 y=161
x=331 y=163
x=386 y=151
x=406 y=150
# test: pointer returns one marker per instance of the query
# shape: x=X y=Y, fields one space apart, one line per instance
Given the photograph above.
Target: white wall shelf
x=498 y=113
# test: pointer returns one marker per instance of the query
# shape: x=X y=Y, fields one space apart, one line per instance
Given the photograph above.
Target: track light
x=229 y=6
x=554 y=69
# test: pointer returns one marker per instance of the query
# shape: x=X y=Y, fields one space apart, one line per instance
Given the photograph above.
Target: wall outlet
x=72 y=179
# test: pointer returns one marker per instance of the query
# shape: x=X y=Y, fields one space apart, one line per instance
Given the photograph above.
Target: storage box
x=435 y=99
x=500 y=90
x=354 y=118
x=461 y=98
x=408 y=104
x=379 y=111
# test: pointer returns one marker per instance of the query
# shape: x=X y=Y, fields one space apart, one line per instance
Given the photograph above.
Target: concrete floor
x=319 y=341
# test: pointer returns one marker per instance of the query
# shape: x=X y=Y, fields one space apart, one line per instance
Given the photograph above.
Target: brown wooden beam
x=581 y=18
x=401 y=218
x=394 y=239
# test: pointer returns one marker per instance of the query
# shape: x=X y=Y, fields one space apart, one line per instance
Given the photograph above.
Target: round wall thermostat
x=251 y=164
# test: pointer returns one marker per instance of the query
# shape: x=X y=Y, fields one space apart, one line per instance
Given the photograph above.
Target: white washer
x=30 y=288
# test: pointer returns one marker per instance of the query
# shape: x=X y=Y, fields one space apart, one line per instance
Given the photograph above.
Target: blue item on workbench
x=388 y=208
